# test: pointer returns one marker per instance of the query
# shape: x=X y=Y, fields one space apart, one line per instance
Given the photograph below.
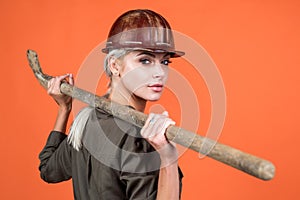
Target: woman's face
x=144 y=74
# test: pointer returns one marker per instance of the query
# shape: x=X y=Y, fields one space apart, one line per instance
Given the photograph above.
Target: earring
x=116 y=73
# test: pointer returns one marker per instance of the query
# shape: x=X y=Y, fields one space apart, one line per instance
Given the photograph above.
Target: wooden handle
x=245 y=162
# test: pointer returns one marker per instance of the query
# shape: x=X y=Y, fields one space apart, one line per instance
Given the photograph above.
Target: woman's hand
x=154 y=132
x=64 y=102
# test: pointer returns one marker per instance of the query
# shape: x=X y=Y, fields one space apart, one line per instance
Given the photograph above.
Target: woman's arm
x=154 y=131
x=55 y=163
x=168 y=182
x=64 y=102
x=55 y=160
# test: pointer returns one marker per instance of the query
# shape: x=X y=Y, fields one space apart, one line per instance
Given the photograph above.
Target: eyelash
x=166 y=62
x=147 y=61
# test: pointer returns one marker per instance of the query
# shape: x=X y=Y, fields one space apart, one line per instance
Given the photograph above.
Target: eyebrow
x=150 y=54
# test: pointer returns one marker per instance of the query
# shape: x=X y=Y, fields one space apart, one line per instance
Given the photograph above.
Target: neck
x=124 y=98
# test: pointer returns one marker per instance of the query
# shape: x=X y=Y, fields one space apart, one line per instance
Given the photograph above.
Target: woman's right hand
x=64 y=102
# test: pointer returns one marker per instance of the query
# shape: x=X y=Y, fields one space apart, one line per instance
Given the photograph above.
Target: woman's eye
x=144 y=61
x=166 y=62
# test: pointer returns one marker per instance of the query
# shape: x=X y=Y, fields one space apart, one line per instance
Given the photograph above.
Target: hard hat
x=142 y=30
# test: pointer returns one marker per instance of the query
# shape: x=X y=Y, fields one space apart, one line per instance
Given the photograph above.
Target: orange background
x=255 y=45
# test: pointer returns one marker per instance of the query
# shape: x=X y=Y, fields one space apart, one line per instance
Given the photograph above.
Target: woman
x=108 y=158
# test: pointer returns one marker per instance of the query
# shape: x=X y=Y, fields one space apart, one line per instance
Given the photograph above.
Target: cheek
x=166 y=74
x=136 y=78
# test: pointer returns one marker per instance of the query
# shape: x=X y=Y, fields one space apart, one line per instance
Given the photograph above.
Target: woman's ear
x=114 y=66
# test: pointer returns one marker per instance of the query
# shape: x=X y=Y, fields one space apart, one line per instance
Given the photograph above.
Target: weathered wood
x=245 y=162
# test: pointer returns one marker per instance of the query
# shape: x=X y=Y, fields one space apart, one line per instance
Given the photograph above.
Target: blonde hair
x=77 y=128
x=117 y=54
x=79 y=123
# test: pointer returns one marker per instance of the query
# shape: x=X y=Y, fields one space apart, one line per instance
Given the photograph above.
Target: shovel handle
x=245 y=162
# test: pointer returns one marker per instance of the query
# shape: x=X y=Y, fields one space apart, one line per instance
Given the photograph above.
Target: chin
x=153 y=97
x=152 y=100
x=148 y=95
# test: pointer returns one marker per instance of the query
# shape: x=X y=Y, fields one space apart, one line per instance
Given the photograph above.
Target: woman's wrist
x=65 y=109
x=168 y=155
x=62 y=119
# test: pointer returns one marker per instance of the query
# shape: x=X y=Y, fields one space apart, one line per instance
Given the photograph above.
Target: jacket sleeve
x=55 y=159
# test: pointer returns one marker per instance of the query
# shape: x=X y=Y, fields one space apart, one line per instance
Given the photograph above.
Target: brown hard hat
x=142 y=30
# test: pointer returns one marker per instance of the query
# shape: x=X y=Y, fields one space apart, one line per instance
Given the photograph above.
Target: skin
x=146 y=69
x=149 y=72
x=64 y=102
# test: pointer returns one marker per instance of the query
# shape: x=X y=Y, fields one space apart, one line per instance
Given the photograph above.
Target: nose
x=159 y=71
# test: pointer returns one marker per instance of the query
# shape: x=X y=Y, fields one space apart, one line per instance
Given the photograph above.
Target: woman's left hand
x=154 y=132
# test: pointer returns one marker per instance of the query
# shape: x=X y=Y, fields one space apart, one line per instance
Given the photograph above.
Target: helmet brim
x=173 y=54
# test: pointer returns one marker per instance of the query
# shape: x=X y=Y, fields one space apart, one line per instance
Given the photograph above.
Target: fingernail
x=165 y=113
